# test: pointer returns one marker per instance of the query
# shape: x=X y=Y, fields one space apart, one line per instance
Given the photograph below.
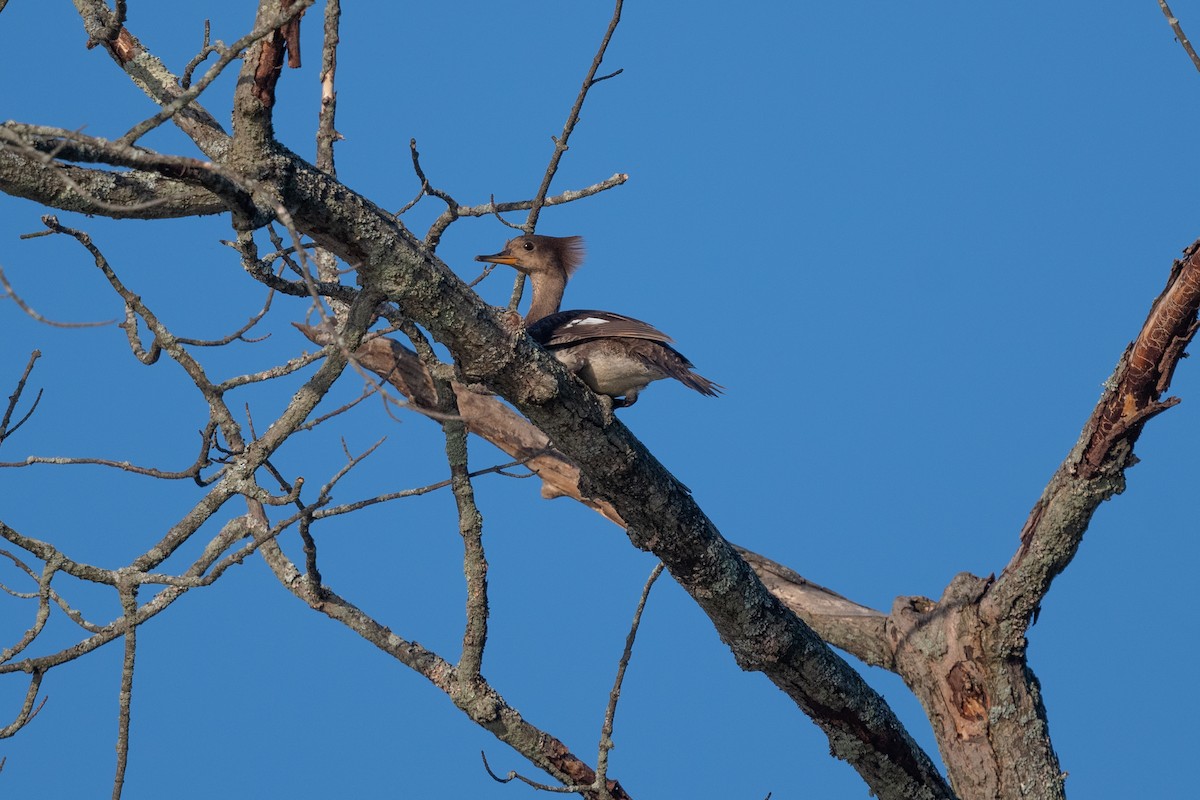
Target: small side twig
x=27 y=711
x=240 y=333
x=21 y=304
x=560 y=145
x=206 y=49
x=600 y=787
x=606 y=743
x=15 y=397
x=543 y=787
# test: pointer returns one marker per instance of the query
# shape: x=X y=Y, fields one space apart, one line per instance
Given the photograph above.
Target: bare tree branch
x=128 y=594
x=15 y=397
x=326 y=131
x=21 y=304
x=470 y=526
x=1179 y=34
x=560 y=144
x=476 y=698
x=1094 y=470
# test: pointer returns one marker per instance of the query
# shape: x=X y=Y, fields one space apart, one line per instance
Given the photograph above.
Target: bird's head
x=533 y=254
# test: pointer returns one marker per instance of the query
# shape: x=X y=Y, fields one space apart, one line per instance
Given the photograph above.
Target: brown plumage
x=614 y=355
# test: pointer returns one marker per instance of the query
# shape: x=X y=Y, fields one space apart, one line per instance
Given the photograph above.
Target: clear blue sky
x=911 y=240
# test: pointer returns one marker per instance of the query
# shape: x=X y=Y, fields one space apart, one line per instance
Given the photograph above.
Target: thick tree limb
x=485 y=415
x=841 y=622
x=616 y=468
x=123 y=195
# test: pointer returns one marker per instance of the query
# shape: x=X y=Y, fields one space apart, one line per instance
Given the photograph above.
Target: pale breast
x=608 y=370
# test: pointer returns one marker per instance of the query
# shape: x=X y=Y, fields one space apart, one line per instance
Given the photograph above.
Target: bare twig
x=240 y=333
x=27 y=711
x=43 y=610
x=128 y=594
x=600 y=787
x=470 y=526
x=493 y=208
x=542 y=787
x=606 y=743
x=206 y=49
x=368 y=391
x=478 y=700
x=278 y=371
x=163 y=338
x=326 y=132
x=15 y=397
x=1179 y=34
x=560 y=145
x=347 y=508
x=21 y=304
x=150 y=472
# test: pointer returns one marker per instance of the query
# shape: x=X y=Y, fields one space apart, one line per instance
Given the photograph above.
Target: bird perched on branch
x=614 y=355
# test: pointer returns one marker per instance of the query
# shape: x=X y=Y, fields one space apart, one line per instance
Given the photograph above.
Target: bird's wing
x=571 y=327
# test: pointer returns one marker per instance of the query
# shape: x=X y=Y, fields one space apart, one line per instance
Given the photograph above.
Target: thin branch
x=15 y=397
x=27 y=711
x=128 y=594
x=206 y=49
x=278 y=371
x=368 y=391
x=326 y=132
x=21 y=304
x=606 y=743
x=477 y=699
x=176 y=586
x=347 y=508
x=560 y=147
x=163 y=338
x=150 y=472
x=541 y=787
x=455 y=211
x=470 y=526
x=43 y=610
x=560 y=143
x=240 y=333
x=1180 y=36
x=152 y=77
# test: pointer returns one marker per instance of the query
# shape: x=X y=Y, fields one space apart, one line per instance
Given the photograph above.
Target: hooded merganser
x=614 y=355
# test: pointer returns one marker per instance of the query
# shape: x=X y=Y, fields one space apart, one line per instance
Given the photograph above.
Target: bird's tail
x=678 y=367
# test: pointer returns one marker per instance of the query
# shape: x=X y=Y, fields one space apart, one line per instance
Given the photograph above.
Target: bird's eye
x=528 y=245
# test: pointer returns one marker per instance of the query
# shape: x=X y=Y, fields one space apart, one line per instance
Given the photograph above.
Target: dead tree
x=367 y=281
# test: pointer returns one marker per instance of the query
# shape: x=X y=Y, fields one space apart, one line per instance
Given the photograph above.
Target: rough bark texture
x=962 y=655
